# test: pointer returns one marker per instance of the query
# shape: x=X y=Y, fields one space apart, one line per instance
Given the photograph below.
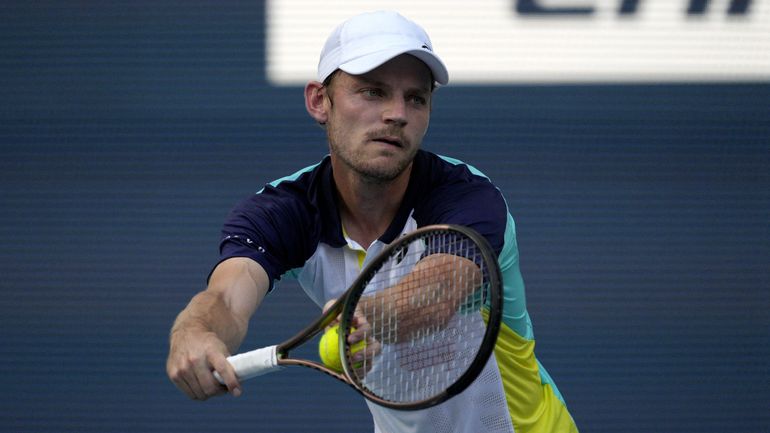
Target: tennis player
x=373 y=96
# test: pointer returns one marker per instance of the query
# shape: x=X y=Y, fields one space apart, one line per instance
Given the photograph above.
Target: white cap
x=366 y=41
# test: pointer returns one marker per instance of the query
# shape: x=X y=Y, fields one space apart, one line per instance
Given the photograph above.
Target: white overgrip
x=253 y=363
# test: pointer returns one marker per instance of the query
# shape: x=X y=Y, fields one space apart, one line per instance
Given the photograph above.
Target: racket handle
x=253 y=363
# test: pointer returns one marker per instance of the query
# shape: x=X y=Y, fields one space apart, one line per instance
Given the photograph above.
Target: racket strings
x=423 y=315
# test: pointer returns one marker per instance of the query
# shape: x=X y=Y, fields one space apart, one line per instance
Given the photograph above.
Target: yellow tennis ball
x=329 y=348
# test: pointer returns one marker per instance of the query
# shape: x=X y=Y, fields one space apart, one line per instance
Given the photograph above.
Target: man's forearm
x=208 y=312
x=425 y=298
x=236 y=287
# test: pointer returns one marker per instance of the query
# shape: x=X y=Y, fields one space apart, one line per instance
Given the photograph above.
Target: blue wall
x=129 y=129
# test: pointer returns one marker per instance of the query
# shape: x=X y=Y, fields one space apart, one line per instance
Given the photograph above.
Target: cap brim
x=369 y=62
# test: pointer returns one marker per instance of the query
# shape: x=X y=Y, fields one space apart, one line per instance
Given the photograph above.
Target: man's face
x=377 y=120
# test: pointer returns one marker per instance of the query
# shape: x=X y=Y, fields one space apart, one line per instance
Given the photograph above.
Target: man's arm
x=212 y=326
x=426 y=298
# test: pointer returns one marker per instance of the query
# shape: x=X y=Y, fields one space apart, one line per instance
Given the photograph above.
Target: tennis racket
x=428 y=307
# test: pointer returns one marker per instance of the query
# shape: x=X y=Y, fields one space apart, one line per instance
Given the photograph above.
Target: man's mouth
x=391 y=140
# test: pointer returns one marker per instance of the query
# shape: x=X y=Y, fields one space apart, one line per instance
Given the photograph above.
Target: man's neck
x=366 y=208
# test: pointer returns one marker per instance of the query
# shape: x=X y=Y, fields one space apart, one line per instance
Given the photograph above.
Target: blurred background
x=642 y=200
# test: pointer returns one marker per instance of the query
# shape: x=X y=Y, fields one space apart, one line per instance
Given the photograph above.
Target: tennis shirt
x=292 y=228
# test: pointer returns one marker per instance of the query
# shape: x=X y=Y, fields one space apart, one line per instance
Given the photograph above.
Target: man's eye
x=419 y=100
x=373 y=93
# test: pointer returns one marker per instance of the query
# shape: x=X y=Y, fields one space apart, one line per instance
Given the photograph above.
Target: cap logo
x=426 y=47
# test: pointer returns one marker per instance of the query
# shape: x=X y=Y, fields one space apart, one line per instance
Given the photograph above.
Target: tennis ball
x=329 y=348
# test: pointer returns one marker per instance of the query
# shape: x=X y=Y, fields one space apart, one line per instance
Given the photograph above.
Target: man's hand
x=363 y=332
x=193 y=356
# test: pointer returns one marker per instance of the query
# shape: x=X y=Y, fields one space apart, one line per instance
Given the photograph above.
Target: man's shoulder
x=441 y=170
x=304 y=178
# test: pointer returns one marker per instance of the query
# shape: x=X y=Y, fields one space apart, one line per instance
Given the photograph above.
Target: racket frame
x=487 y=346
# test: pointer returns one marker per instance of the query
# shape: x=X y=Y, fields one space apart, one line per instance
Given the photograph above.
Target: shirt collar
x=331 y=233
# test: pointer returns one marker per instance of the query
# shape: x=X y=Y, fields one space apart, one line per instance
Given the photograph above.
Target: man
x=373 y=96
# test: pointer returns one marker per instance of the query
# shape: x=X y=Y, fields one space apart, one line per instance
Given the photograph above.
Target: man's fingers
x=227 y=373
x=183 y=376
x=191 y=364
x=188 y=383
x=195 y=378
x=182 y=384
x=326 y=307
x=362 y=329
x=372 y=349
x=328 y=304
x=359 y=321
x=362 y=359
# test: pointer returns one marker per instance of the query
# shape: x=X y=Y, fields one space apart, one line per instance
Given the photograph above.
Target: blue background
x=129 y=129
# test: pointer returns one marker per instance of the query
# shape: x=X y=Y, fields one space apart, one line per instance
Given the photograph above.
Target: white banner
x=548 y=41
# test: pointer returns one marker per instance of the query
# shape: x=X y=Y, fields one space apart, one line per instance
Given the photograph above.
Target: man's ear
x=315 y=93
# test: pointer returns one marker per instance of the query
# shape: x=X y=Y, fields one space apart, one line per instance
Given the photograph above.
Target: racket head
x=429 y=328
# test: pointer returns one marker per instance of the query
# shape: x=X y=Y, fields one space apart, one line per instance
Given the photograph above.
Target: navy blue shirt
x=281 y=226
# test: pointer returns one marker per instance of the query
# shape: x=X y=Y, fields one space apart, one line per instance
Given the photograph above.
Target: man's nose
x=395 y=111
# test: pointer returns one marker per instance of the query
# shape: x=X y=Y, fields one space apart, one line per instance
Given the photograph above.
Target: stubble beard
x=371 y=171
